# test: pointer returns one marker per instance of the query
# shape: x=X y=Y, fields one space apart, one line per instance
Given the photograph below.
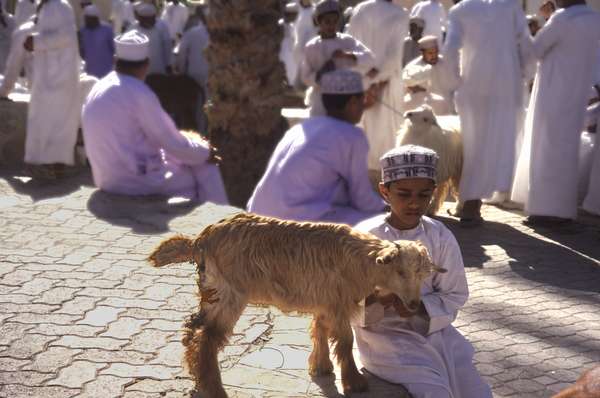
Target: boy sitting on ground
x=421 y=350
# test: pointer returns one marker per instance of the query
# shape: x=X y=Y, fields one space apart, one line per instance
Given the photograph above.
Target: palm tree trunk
x=246 y=87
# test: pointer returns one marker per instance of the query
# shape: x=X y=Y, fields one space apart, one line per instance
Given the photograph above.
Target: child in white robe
x=421 y=350
x=331 y=50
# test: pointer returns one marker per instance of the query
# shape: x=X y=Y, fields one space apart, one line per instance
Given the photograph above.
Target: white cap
x=91 y=11
x=132 y=46
x=408 y=161
x=145 y=9
x=341 y=81
x=428 y=42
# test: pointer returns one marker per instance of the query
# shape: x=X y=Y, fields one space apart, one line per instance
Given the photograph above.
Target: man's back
x=98 y=49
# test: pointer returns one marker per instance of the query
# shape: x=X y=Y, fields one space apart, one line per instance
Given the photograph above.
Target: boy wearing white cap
x=132 y=143
x=96 y=43
x=318 y=171
x=421 y=350
x=331 y=50
x=161 y=45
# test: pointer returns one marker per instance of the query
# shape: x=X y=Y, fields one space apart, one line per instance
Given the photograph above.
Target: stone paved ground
x=83 y=315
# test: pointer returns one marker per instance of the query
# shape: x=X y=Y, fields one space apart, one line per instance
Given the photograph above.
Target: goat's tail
x=177 y=249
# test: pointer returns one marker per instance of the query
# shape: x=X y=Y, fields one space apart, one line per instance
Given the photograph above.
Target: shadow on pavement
x=45 y=189
x=378 y=388
x=565 y=260
x=143 y=214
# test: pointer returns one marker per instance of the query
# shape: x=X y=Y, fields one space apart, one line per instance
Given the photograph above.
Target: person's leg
x=471 y=213
x=422 y=390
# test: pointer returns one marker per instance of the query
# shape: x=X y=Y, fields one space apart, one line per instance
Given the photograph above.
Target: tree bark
x=246 y=89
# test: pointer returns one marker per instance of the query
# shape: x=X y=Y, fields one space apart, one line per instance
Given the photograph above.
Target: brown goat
x=317 y=268
x=587 y=386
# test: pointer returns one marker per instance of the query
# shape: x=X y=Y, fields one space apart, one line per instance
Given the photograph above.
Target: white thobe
x=286 y=53
x=304 y=31
x=423 y=349
x=122 y=15
x=489 y=100
x=161 y=46
x=135 y=149
x=434 y=15
x=318 y=51
x=18 y=58
x=6 y=32
x=384 y=118
x=591 y=202
x=191 y=59
x=318 y=172
x=24 y=10
x=440 y=81
x=54 y=108
x=175 y=16
x=547 y=171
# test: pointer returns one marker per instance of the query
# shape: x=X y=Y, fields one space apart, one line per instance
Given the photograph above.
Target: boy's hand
x=401 y=309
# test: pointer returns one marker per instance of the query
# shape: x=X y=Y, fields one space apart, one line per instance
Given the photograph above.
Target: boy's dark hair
x=318 y=19
x=337 y=102
x=124 y=66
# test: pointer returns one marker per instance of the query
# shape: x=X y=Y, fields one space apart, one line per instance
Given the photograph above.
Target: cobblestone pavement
x=82 y=314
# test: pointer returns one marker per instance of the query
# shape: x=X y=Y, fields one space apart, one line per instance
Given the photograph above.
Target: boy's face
x=355 y=108
x=409 y=200
x=328 y=24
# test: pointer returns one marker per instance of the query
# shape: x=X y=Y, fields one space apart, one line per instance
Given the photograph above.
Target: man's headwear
x=428 y=42
x=132 y=46
x=91 y=11
x=144 y=9
x=326 y=6
x=291 y=8
x=341 y=82
x=408 y=161
x=420 y=22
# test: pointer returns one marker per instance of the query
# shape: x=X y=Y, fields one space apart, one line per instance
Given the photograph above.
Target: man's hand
x=415 y=89
x=372 y=73
x=28 y=44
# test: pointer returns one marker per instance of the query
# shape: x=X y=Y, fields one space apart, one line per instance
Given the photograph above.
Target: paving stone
x=11 y=331
x=113 y=356
x=105 y=343
x=52 y=359
x=21 y=391
x=159 y=372
x=105 y=387
x=26 y=346
x=77 y=374
x=50 y=329
x=101 y=316
x=25 y=378
x=149 y=340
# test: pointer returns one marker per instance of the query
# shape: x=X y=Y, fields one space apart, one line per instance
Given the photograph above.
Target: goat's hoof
x=357 y=383
x=322 y=369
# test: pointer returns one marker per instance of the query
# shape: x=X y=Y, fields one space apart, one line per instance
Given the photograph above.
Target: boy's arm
x=362 y=195
x=450 y=290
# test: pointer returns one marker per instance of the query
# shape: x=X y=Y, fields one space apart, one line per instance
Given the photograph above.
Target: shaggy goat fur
x=587 y=386
x=421 y=128
x=317 y=268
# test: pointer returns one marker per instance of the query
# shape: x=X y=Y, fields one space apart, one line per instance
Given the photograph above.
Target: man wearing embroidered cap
x=132 y=143
x=318 y=171
x=96 y=43
x=421 y=349
x=331 y=50
x=161 y=45
x=437 y=80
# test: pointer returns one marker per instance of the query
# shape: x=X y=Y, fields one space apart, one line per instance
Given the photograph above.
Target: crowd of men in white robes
x=478 y=61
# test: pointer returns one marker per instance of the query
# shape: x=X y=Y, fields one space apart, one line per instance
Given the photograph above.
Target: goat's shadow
x=378 y=388
x=550 y=259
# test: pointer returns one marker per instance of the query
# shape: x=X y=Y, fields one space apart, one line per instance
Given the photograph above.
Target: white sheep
x=421 y=128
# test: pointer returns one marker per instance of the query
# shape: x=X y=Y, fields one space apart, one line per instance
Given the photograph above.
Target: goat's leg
x=319 y=363
x=352 y=379
x=207 y=333
x=439 y=197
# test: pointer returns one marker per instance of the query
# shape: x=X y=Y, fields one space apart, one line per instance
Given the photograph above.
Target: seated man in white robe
x=318 y=171
x=331 y=50
x=132 y=143
x=439 y=82
x=420 y=350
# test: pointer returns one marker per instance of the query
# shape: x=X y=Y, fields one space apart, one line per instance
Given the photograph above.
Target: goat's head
x=406 y=265
x=421 y=116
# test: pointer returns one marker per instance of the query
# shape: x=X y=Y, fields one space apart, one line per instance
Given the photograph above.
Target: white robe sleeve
x=361 y=192
x=14 y=64
x=393 y=54
x=415 y=71
x=308 y=67
x=364 y=57
x=453 y=44
x=160 y=129
x=450 y=290
x=546 y=38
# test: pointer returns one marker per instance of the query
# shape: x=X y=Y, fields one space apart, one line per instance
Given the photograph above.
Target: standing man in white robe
x=591 y=203
x=304 y=29
x=420 y=350
x=331 y=50
x=132 y=143
x=434 y=15
x=379 y=24
x=7 y=27
x=548 y=167
x=24 y=10
x=318 y=171
x=489 y=100
x=161 y=45
x=54 y=108
x=175 y=15
x=286 y=51
x=18 y=59
x=411 y=43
